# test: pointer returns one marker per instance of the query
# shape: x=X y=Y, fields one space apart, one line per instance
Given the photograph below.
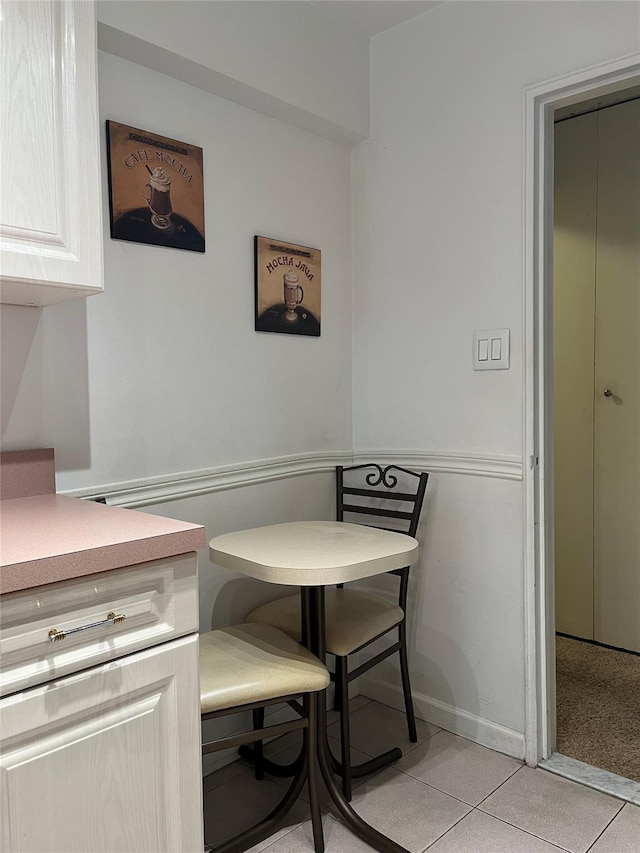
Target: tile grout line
x=435 y=788
x=526 y=831
x=280 y=837
x=453 y=796
x=504 y=781
x=605 y=828
x=435 y=841
x=478 y=808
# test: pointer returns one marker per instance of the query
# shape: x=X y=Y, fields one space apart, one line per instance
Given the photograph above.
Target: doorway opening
x=596 y=432
x=577 y=94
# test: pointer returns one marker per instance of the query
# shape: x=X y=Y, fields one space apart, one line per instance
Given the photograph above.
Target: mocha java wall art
x=287 y=287
x=156 y=189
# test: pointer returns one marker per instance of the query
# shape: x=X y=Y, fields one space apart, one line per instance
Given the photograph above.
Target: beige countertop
x=47 y=538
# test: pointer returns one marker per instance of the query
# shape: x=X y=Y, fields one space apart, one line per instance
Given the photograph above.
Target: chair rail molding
x=501 y=466
x=187 y=484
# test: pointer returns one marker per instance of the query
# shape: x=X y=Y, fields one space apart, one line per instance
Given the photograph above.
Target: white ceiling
x=373 y=16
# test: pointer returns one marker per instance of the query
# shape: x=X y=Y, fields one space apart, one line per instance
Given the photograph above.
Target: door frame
x=540 y=103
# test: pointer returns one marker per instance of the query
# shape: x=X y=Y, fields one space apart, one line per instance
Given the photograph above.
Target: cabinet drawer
x=158 y=600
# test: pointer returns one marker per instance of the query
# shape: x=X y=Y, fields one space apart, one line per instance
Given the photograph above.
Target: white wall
x=164 y=372
x=438 y=240
x=292 y=60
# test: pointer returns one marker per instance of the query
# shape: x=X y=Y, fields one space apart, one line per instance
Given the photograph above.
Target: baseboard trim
x=177 y=486
x=455 y=720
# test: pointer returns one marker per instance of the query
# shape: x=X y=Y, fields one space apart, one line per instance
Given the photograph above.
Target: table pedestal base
x=284 y=771
x=313 y=636
x=330 y=767
x=311 y=554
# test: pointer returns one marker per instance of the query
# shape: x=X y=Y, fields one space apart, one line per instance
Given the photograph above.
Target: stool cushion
x=243 y=664
x=353 y=618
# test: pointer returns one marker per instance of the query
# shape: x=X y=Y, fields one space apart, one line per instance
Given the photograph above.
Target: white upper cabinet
x=50 y=208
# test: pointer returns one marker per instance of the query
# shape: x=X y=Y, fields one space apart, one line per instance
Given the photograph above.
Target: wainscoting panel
x=464 y=573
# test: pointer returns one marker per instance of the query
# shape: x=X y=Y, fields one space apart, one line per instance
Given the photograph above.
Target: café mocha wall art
x=156 y=189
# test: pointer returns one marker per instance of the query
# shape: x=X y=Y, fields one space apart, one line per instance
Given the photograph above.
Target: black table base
x=313 y=636
x=284 y=771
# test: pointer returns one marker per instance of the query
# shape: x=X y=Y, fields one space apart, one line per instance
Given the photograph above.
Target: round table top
x=313 y=553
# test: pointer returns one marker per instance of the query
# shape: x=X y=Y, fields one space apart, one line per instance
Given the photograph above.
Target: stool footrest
x=257 y=734
x=282 y=771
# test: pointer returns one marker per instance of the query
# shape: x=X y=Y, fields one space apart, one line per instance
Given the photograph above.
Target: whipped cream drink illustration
x=157 y=195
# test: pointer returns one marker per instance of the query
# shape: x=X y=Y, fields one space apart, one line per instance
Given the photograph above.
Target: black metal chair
x=248 y=667
x=355 y=619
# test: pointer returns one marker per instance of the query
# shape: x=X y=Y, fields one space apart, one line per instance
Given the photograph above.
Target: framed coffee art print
x=156 y=189
x=287 y=287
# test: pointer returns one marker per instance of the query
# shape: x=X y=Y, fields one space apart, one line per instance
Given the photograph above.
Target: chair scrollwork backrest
x=389 y=492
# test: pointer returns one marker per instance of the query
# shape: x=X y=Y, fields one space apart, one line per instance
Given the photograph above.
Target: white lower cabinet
x=106 y=759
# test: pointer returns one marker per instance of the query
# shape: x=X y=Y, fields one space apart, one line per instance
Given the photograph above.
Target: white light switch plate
x=491 y=349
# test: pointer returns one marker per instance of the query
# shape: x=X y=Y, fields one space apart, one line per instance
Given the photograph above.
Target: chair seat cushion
x=353 y=618
x=254 y=663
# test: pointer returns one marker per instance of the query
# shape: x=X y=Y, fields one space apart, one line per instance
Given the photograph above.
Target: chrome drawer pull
x=112 y=619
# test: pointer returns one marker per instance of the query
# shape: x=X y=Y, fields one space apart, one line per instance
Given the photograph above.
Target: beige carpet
x=598 y=706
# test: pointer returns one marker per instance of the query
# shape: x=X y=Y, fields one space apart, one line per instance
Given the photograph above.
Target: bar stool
x=248 y=667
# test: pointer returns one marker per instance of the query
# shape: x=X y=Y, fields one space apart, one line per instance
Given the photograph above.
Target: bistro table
x=312 y=555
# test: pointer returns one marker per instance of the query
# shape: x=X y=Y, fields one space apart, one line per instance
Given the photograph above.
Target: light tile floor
x=445 y=795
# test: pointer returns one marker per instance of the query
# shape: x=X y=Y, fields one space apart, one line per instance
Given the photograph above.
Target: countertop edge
x=29 y=575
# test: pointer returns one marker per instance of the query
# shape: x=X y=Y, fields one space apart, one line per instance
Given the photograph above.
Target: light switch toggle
x=491 y=349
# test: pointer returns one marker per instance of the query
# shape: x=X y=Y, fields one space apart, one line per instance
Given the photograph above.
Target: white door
x=597 y=349
x=106 y=760
x=617 y=370
x=574 y=291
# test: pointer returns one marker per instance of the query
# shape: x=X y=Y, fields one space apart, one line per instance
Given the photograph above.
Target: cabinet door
x=106 y=760
x=50 y=209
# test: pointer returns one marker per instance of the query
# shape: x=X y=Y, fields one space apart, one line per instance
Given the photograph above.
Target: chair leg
x=406 y=684
x=336 y=690
x=345 y=728
x=262 y=830
x=311 y=745
x=258 y=754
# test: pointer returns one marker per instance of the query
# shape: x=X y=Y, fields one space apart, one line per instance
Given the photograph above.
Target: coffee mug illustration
x=293 y=296
x=159 y=198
